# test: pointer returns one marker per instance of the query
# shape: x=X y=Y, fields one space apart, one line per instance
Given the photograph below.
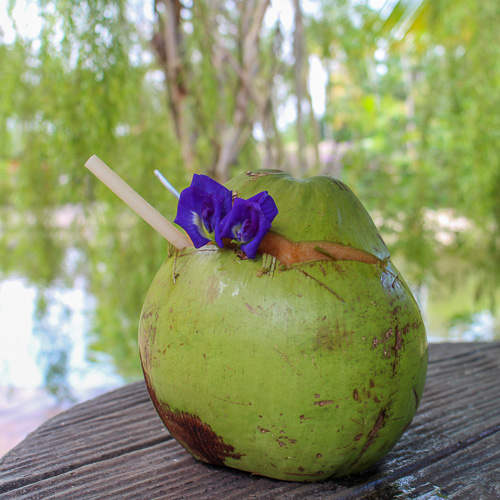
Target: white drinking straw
x=137 y=203
x=167 y=184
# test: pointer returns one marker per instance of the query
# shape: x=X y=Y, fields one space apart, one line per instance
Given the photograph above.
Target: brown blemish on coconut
x=324 y=340
x=372 y=435
x=287 y=360
x=192 y=433
x=149 y=320
x=416 y=398
x=250 y=308
x=340 y=185
x=379 y=423
x=212 y=291
x=256 y=175
x=355 y=394
x=324 y=285
x=398 y=340
x=395 y=280
x=290 y=252
x=323 y=403
x=398 y=345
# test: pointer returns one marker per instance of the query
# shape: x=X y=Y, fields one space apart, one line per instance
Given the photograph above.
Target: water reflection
x=45 y=342
x=445 y=324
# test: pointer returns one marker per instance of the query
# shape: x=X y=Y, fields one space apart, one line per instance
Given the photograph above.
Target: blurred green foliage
x=411 y=113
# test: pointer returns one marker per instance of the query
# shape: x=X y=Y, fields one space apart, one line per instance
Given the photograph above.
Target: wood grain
x=115 y=446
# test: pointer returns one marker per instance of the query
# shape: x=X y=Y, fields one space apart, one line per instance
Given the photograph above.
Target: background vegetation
x=411 y=123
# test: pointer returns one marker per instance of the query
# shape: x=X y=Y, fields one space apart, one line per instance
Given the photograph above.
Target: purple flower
x=249 y=221
x=202 y=206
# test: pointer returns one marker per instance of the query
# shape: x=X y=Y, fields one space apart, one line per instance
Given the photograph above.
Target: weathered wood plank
x=115 y=446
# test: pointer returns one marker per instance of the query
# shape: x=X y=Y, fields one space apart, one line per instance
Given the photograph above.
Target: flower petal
x=201 y=208
x=189 y=216
x=207 y=184
x=249 y=221
x=223 y=202
x=235 y=219
x=267 y=204
x=251 y=248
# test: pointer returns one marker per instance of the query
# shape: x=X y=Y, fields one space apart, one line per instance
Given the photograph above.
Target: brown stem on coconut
x=289 y=252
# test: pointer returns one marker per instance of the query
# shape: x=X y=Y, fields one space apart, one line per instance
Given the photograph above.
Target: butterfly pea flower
x=249 y=221
x=201 y=208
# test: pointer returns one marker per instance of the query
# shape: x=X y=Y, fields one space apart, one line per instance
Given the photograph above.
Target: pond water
x=21 y=350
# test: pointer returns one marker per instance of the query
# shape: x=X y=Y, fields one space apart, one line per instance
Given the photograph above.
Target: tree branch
x=302 y=93
x=240 y=128
x=167 y=43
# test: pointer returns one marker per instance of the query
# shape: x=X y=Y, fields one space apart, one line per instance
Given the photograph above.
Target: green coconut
x=305 y=363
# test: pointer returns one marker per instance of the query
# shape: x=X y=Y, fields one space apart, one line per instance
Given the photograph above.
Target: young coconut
x=305 y=363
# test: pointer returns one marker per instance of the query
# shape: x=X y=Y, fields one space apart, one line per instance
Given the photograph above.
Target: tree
x=410 y=93
x=218 y=77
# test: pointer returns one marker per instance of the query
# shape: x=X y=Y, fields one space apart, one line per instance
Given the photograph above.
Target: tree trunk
x=167 y=43
x=239 y=130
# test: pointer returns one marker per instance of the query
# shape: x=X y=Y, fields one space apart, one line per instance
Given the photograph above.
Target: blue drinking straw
x=167 y=184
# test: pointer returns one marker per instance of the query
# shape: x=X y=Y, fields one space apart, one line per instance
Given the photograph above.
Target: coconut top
x=317 y=209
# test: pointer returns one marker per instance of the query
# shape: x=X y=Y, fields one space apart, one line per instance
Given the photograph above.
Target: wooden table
x=115 y=446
